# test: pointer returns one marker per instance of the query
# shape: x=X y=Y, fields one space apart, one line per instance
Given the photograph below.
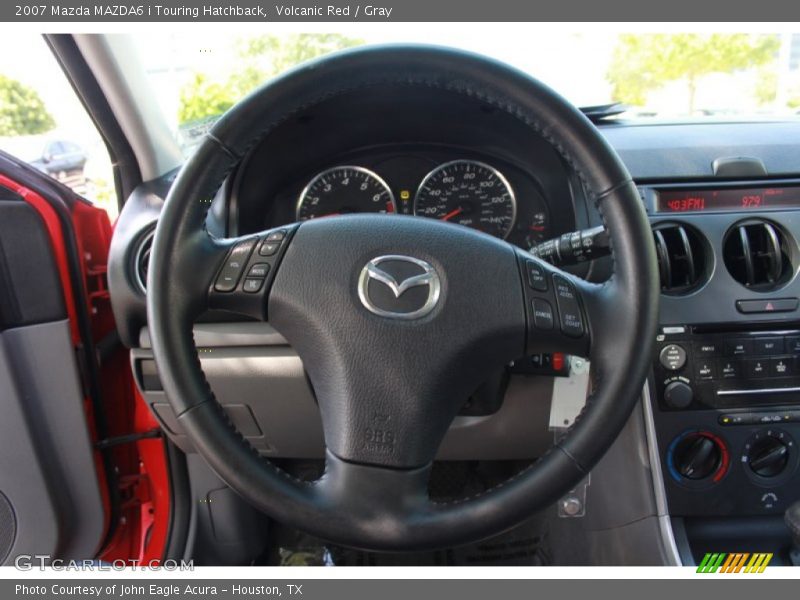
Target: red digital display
x=729 y=199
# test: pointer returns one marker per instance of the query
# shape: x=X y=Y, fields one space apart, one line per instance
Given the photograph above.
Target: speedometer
x=343 y=190
x=469 y=193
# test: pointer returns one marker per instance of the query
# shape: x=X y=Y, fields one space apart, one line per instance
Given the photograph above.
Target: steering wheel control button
x=276 y=236
x=569 y=310
x=537 y=278
x=234 y=265
x=259 y=270
x=268 y=248
x=543 y=317
x=251 y=286
x=672 y=357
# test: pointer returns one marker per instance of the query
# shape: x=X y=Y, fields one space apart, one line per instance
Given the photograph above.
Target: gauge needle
x=452 y=214
x=536 y=227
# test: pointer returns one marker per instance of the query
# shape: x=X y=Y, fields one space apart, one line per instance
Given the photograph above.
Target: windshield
x=656 y=76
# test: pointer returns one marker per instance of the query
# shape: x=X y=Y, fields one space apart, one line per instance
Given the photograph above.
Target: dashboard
x=724 y=394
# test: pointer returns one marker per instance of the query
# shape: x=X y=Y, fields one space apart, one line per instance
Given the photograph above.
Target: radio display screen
x=727 y=199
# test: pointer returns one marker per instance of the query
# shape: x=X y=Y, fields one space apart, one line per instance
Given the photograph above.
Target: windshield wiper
x=604 y=112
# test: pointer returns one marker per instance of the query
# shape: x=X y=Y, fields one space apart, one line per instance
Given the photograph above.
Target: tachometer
x=343 y=190
x=469 y=193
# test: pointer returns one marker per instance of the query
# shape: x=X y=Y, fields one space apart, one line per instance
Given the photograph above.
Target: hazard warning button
x=767 y=306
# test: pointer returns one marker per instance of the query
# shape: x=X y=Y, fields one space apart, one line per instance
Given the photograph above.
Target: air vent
x=756 y=256
x=141 y=260
x=681 y=258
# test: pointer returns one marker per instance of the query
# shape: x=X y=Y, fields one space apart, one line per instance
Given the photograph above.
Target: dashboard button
x=766 y=306
x=780 y=367
x=706 y=348
x=729 y=369
x=569 y=310
x=792 y=344
x=738 y=347
x=705 y=370
x=672 y=357
x=768 y=345
x=757 y=368
x=234 y=265
x=537 y=278
x=542 y=314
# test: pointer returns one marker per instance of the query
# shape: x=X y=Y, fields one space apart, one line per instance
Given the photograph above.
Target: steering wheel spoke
x=244 y=277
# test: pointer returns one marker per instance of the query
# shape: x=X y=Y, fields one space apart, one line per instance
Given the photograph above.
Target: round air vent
x=756 y=255
x=141 y=260
x=681 y=257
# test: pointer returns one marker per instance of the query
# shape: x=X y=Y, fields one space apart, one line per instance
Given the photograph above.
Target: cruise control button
x=258 y=270
x=757 y=368
x=768 y=345
x=672 y=357
x=251 y=286
x=269 y=248
x=234 y=265
x=569 y=311
x=780 y=367
x=537 y=277
x=542 y=314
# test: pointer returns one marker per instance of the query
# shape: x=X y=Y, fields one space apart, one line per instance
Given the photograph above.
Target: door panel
x=52 y=497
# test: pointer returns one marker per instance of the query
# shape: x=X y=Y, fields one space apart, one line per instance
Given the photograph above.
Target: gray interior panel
x=47 y=469
x=267 y=382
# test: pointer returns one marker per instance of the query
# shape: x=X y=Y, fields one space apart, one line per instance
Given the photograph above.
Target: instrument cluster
x=470 y=193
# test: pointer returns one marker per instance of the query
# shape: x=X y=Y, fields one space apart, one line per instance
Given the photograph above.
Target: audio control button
x=672 y=357
x=757 y=368
x=768 y=345
x=780 y=367
x=705 y=370
x=738 y=347
x=729 y=369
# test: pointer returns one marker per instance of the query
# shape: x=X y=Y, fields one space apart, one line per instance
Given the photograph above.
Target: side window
x=43 y=122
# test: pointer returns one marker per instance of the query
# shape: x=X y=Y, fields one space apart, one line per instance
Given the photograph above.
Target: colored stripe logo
x=737 y=562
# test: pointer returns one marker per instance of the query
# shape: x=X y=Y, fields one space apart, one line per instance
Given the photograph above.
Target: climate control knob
x=678 y=394
x=698 y=458
x=769 y=454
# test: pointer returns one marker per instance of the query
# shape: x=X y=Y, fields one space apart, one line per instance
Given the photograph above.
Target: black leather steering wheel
x=390 y=381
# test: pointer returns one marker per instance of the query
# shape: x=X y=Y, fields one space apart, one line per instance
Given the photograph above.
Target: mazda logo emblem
x=388 y=286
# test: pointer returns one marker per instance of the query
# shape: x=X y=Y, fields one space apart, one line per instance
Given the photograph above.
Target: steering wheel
x=398 y=319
